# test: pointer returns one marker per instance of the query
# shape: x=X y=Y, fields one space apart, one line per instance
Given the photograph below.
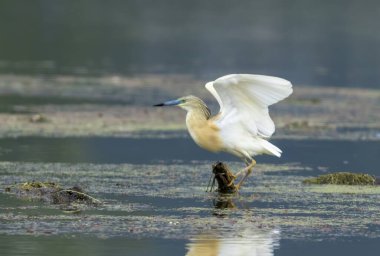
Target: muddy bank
x=63 y=106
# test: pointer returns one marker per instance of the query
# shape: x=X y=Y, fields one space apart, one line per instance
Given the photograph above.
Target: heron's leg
x=247 y=163
x=248 y=172
x=232 y=181
x=244 y=170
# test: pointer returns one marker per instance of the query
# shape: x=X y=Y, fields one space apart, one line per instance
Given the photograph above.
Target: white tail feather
x=270 y=148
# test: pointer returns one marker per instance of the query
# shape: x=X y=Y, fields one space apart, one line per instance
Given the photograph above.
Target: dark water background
x=310 y=42
x=355 y=156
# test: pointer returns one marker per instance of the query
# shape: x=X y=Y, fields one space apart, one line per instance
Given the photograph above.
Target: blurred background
x=78 y=79
x=323 y=43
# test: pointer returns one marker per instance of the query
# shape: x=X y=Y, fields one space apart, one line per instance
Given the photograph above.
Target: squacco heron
x=243 y=125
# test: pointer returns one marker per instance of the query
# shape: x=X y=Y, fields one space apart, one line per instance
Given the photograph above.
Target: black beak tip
x=159 y=105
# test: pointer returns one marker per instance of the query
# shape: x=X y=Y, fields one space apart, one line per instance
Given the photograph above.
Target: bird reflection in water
x=252 y=240
x=247 y=242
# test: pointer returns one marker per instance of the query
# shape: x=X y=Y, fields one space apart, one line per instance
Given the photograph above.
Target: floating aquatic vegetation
x=38 y=118
x=121 y=107
x=27 y=186
x=69 y=200
x=342 y=178
x=346 y=189
x=169 y=201
x=305 y=101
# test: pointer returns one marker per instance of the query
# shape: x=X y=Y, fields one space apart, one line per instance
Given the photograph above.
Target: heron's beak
x=168 y=103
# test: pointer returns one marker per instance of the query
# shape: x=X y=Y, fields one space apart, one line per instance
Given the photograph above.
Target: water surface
x=313 y=42
x=155 y=205
x=359 y=156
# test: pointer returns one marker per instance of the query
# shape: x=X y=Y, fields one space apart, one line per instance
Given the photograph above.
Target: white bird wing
x=244 y=101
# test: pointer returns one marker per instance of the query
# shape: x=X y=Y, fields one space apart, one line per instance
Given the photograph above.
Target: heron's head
x=188 y=103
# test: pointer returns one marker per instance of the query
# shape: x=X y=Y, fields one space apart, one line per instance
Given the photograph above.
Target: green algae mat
x=342 y=178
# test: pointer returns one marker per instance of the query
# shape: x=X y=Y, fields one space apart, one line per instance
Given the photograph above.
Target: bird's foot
x=233 y=178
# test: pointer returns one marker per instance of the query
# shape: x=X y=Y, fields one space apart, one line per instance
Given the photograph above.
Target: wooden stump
x=224 y=178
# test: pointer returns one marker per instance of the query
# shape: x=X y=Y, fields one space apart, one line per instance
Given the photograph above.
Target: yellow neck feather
x=203 y=131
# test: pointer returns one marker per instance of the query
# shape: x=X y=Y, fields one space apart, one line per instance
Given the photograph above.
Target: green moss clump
x=38 y=184
x=342 y=178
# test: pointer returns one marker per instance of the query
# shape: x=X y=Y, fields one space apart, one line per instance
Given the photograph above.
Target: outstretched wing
x=244 y=101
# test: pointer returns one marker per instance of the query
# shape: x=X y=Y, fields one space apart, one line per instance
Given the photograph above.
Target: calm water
x=306 y=41
x=336 y=155
x=113 y=238
x=26 y=245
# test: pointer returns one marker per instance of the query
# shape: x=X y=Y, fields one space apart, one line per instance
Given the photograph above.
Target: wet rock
x=71 y=195
x=71 y=199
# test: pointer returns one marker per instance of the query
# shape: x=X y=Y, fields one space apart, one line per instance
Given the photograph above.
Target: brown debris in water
x=224 y=178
